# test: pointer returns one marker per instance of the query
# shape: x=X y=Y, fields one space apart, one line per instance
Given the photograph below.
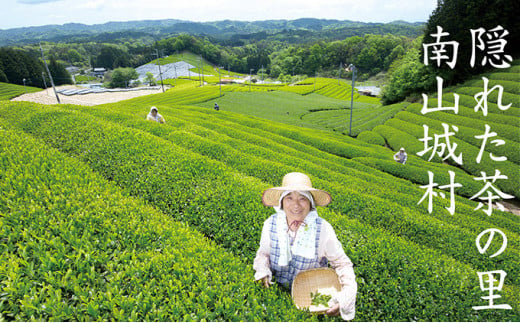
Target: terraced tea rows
x=366 y=117
x=80 y=249
x=196 y=170
x=203 y=172
x=9 y=91
x=407 y=128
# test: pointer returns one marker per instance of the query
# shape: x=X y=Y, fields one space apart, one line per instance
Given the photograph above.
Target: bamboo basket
x=309 y=281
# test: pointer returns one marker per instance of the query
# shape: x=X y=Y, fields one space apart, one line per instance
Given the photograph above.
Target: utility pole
x=159 y=64
x=50 y=76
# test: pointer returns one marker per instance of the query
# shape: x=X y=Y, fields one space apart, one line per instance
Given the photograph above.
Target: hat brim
x=271 y=196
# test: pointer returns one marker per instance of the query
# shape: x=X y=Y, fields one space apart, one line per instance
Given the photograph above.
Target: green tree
x=74 y=56
x=111 y=57
x=122 y=76
x=150 y=79
x=396 y=53
x=314 y=59
x=408 y=75
x=368 y=59
x=17 y=65
x=59 y=74
x=3 y=78
x=458 y=17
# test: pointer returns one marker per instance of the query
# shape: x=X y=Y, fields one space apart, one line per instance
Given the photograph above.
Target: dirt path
x=48 y=97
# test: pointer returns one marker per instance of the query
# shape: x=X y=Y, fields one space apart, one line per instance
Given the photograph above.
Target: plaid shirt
x=285 y=275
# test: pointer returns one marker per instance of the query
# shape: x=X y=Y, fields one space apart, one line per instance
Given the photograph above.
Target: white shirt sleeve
x=261 y=262
x=331 y=248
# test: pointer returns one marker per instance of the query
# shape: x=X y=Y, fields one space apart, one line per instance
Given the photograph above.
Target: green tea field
x=108 y=217
x=9 y=91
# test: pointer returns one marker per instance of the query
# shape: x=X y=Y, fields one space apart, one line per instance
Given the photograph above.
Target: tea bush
x=507 y=98
x=508 y=86
x=168 y=184
x=505 y=129
x=468 y=131
x=79 y=249
x=371 y=137
x=366 y=117
x=86 y=250
x=467 y=106
x=340 y=91
x=429 y=273
x=504 y=76
x=469 y=157
x=9 y=91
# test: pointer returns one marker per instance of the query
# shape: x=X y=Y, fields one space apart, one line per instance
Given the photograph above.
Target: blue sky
x=24 y=13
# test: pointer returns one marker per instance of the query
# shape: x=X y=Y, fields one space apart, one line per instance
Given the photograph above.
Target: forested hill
x=299 y=30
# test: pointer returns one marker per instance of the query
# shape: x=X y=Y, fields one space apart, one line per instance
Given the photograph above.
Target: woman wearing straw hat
x=295 y=239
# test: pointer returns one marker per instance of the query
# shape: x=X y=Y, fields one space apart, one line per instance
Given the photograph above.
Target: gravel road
x=48 y=97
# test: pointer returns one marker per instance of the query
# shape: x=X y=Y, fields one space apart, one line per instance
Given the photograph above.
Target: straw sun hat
x=295 y=182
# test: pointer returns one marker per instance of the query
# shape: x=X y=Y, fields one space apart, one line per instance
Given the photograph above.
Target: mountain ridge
x=221 y=29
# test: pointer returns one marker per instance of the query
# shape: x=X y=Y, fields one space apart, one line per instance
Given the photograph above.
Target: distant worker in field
x=401 y=156
x=155 y=116
x=297 y=239
x=216 y=107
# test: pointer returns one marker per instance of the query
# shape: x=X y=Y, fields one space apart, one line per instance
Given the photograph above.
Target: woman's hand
x=333 y=311
x=266 y=282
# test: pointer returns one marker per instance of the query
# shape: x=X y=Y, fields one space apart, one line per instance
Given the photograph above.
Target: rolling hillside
x=109 y=217
x=313 y=29
x=319 y=103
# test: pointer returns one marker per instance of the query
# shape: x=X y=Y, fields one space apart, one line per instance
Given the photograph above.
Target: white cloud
x=100 y=11
x=92 y=4
x=36 y=1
